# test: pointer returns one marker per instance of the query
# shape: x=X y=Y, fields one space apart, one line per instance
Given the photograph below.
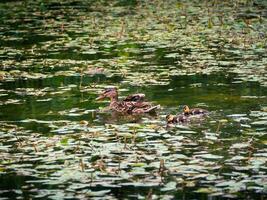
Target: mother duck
x=133 y=104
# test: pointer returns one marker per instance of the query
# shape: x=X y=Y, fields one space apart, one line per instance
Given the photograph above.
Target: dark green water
x=56 y=142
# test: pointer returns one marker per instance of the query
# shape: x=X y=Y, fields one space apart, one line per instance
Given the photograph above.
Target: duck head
x=170 y=118
x=186 y=109
x=111 y=93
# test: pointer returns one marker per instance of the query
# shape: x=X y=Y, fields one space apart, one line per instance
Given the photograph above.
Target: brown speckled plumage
x=133 y=104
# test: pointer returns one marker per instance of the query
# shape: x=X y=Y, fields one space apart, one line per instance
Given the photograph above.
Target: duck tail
x=152 y=109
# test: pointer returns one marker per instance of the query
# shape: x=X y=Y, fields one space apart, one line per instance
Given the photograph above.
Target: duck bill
x=100 y=98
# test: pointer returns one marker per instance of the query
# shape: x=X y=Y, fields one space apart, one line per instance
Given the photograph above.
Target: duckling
x=171 y=119
x=194 y=111
x=133 y=104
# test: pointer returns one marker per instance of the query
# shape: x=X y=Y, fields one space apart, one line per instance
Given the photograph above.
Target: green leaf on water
x=64 y=141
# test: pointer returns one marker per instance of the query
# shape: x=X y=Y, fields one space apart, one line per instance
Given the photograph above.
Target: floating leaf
x=209 y=156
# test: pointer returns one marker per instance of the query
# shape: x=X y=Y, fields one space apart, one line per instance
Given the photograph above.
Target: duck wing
x=126 y=106
x=132 y=107
x=143 y=107
x=135 y=97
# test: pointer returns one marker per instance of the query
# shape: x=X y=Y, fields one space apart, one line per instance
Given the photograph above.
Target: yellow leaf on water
x=210 y=23
x=179 y=5
x=223 y=120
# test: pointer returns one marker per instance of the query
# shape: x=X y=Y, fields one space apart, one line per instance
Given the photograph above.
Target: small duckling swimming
x=186 y=116
x=171 y=119
x=194 y=111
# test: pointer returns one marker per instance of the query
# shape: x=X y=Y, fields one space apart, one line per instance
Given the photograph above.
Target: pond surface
x=57 y=141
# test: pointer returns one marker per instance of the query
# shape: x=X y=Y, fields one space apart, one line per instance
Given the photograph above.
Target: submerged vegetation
x=57 y=142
